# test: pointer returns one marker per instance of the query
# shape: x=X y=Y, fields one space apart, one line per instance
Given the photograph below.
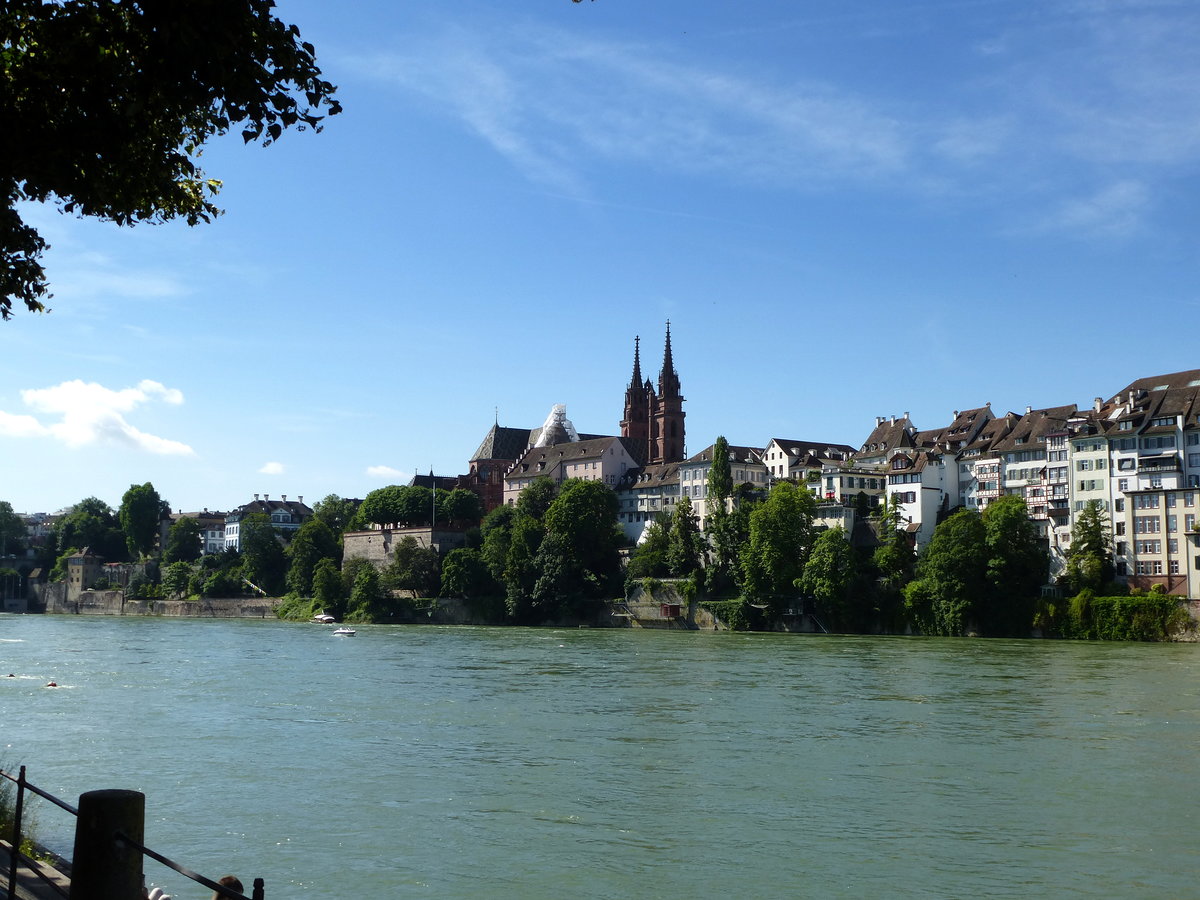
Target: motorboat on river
x=345 y=632
x=323 y=619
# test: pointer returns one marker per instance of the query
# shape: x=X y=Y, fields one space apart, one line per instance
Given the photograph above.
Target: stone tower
x=653 y=419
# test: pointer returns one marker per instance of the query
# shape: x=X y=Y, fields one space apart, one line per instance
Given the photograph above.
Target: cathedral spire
x=668 y=381
x=637 y=364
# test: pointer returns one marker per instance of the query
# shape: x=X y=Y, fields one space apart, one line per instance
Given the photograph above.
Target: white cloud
x=271 y=468
x=79 y=413
x=1083 y=92
x=384 y=472
x=1114 y=211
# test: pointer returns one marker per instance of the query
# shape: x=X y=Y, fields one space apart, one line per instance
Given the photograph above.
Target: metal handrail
x=16 y=856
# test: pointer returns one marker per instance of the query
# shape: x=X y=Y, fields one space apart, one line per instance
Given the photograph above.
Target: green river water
x=521 y=763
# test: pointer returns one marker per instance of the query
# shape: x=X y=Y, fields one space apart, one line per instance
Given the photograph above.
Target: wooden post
x=258 y=889
x=105 y=867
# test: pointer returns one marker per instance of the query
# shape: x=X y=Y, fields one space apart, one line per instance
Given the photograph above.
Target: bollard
x=258 y=889
x=105 y=867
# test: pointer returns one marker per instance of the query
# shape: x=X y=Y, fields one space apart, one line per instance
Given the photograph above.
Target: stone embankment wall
x=113 y=603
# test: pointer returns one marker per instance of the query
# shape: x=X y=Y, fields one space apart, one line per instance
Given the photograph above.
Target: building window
x=1146 y=525
x=1173 y=567
x=1172 y=524
x=1120 y=527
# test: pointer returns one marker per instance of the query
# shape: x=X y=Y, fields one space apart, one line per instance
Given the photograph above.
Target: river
x=413 y=761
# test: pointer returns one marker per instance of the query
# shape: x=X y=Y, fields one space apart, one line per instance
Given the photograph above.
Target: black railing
x=117 y=838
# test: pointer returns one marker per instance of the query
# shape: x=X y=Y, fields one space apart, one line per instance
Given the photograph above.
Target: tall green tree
x=465 y=574
x=106 y=108
x=263 y=559
x=951 y=576
x=139 y=515
x=520 y=571
x=535 y=500
x=685 y=543
x=183 y=541
x=12 y=530
x=414 y=568
x=92 y=525
x=1017 y=564
x=327 y=588
x=650 y=557
x=337 y=513
x=1090 y=559
x=781 y=536
x=720 y=476
x=459 y=507
x=833 y=575
x=497 y=535
x=175 y=577
x=366 y=595
x=311 y=543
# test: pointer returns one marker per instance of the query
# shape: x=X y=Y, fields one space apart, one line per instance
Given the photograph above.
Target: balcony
x=1165 y=463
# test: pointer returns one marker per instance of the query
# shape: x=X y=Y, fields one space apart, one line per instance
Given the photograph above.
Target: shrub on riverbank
x=1155 y=616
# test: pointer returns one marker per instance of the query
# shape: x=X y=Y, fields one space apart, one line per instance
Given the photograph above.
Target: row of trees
x=981 y=572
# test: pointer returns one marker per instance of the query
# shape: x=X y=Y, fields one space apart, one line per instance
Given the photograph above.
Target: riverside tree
x=950 y=576
x=183 y=541
x=1017 y=564
x=106 y=108
x=832 y=576
x=140 y=513
x=685 y=543
x=12 y=529
x=311 y=543
x=263 y=559
x=1090 y=559
x=781 y=535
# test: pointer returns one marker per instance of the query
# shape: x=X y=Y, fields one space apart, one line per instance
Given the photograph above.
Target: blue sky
x=845 y=210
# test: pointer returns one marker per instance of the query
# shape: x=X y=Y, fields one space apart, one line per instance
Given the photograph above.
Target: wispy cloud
x=271 y=468
x=1058 y=103
x=383 y=472
x=1115 y=211
x=79 y=413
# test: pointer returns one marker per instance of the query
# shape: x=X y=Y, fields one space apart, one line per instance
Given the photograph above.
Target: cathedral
x=651 y=433
x=653 y=420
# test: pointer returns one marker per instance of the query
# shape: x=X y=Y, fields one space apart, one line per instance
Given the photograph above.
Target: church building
x=653 y=420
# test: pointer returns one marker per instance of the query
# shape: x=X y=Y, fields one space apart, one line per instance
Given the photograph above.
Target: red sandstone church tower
x=653 y=419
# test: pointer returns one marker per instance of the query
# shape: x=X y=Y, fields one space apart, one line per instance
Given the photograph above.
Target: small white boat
x=323 y=619
x=347 y=632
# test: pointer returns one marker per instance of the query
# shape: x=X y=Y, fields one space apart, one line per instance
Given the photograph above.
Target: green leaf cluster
x=107 y=105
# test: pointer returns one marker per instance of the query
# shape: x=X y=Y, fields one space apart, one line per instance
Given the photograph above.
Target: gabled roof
x=503 y=443
x=743 y=455
x=296 y=509
x=509 y=443
x=992 y=434
x=888 y=435
x=657 y=475
x=539 y=459
x=815 y=449
x=1031 y=429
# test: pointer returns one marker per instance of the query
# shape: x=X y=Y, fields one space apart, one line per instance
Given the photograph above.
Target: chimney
x=1097 y=403
x=256 y=498
x=266 y=497
x=956 y=414
x=284 y=496
x=1028 y=410
x=906 y=414
x=893 y=420
x=300 y=498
